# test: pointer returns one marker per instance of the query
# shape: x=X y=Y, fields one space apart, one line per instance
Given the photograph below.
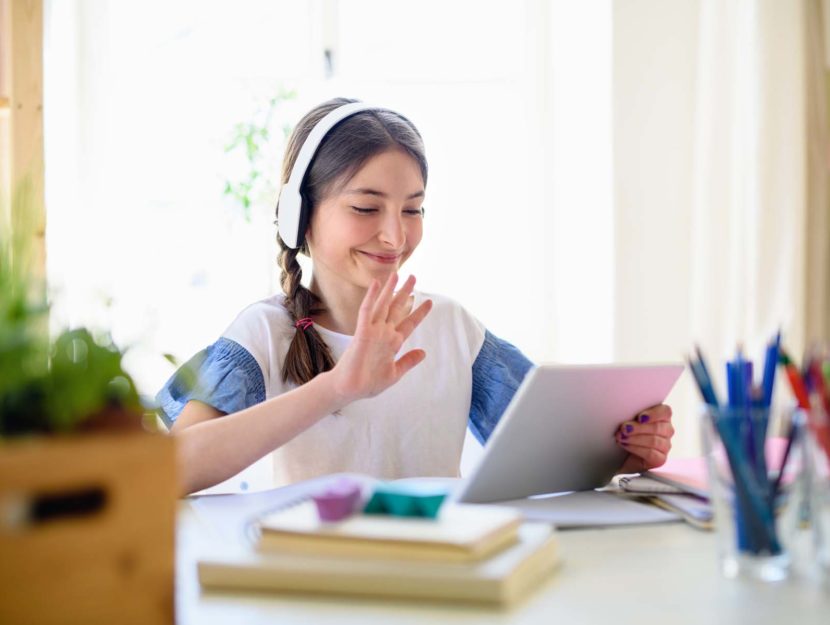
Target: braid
x=308 y=354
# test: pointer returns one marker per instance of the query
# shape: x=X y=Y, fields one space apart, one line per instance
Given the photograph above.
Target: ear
x=309 y=236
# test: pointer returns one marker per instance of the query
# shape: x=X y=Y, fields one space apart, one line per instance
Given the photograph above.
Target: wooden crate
x=100 y=548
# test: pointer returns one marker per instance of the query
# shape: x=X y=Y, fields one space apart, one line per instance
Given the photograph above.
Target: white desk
x=639 y=575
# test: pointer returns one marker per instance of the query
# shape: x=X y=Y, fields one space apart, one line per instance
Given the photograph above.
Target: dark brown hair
x=343 y=151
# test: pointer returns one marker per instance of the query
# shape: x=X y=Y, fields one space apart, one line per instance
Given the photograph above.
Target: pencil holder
x=756 y=488
x=818 y=476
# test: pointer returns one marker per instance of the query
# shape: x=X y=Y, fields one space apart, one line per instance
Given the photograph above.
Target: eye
x=415 y=212
x=364 y=211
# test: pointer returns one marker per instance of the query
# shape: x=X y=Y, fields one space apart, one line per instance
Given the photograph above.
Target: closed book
x=460 y=533
x=501 y=579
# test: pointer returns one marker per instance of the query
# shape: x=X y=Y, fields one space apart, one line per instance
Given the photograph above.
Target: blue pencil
x=770 y=365
x=704 y=380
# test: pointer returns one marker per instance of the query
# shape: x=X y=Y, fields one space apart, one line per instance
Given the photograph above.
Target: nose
x=392 y=233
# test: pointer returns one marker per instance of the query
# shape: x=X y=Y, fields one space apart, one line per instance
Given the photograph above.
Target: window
x=142 y=101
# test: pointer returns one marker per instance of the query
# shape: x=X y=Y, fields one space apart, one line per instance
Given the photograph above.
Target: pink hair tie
x=305 y=323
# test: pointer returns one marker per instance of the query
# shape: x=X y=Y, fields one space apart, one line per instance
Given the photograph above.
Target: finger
x=408 y=325
x=381 y=309
x=409 y=360
x=399 y=313
x=661 y=428
x=402 y=302
x=364 y=314
x=651 y=457
x=647 y=440
x=661 y=412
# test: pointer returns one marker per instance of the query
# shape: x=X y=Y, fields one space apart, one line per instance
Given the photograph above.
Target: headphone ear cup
x=289 y=208
x=302 y=225
x=292 y=219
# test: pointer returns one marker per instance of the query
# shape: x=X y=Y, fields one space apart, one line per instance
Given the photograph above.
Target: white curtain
x=721 y=193
x=749 y=210
x=817 y=18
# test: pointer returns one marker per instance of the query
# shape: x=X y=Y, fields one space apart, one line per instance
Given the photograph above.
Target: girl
x=347 y=374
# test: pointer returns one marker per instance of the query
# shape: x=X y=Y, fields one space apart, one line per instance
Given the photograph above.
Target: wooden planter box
x=87 y=527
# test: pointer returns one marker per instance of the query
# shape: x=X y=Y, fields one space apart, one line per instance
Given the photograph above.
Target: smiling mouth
x=386 y=259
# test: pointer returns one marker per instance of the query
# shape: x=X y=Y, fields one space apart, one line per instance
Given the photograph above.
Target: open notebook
x=502 y=576
x=231 y=518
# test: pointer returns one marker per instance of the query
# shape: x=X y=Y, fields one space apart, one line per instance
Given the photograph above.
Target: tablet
x=557 y=433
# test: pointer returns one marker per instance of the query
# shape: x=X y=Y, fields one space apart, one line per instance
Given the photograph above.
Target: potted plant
x=87 y=494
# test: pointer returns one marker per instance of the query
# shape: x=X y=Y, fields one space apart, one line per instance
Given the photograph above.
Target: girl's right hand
x=384 y=322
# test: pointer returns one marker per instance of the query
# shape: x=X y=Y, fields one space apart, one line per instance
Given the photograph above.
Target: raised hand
x=647 y=439
x=384 y=322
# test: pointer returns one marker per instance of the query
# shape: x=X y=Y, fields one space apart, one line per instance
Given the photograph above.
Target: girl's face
x=371 y=225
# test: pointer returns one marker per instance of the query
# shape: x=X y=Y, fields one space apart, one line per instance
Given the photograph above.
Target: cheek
x=414 y=232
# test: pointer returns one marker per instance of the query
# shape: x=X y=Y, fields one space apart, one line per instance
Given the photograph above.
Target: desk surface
x=639 y=575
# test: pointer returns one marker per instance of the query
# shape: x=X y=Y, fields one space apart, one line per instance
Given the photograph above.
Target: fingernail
x=643 y=418
x=623 y=435
x=629 y=428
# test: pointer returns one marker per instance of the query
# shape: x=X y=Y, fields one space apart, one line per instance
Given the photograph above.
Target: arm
x=211 y=450
x=498 y=371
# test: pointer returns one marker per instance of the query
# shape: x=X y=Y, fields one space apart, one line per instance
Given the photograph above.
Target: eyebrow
x=364 y=191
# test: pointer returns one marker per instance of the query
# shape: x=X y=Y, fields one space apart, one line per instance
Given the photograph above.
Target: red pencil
x=818 y=383
x=796 y=382
x=821 y=428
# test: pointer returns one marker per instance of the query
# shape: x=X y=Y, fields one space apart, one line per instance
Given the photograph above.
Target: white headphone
x=290 y=201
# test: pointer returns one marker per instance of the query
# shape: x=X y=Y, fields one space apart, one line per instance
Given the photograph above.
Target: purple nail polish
x=623 y=435
x=643 y=418
x=629 y=428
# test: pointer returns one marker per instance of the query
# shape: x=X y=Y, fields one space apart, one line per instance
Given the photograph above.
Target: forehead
x=393 y=172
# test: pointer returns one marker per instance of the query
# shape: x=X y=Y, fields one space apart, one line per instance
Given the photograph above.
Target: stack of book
x=476 y=553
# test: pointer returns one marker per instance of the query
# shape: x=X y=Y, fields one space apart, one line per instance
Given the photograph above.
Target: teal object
x=406 y=500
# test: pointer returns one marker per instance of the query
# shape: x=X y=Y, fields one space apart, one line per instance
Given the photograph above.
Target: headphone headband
x=290 y=200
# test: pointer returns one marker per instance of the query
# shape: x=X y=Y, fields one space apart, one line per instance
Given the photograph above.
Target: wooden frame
x=21 y=122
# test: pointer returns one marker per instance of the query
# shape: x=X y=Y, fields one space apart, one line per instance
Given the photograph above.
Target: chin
x=381 y=275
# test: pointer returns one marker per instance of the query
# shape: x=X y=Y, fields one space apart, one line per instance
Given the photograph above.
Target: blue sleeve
x=498 y=371
x=224 y=376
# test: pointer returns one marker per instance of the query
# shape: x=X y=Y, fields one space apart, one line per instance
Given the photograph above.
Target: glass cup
x=818 y=471
x=756 y=513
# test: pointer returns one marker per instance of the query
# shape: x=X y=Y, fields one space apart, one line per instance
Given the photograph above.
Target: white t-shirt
x=414 y=428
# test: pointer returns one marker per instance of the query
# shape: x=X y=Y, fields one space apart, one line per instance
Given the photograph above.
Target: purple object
x=338 y=501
